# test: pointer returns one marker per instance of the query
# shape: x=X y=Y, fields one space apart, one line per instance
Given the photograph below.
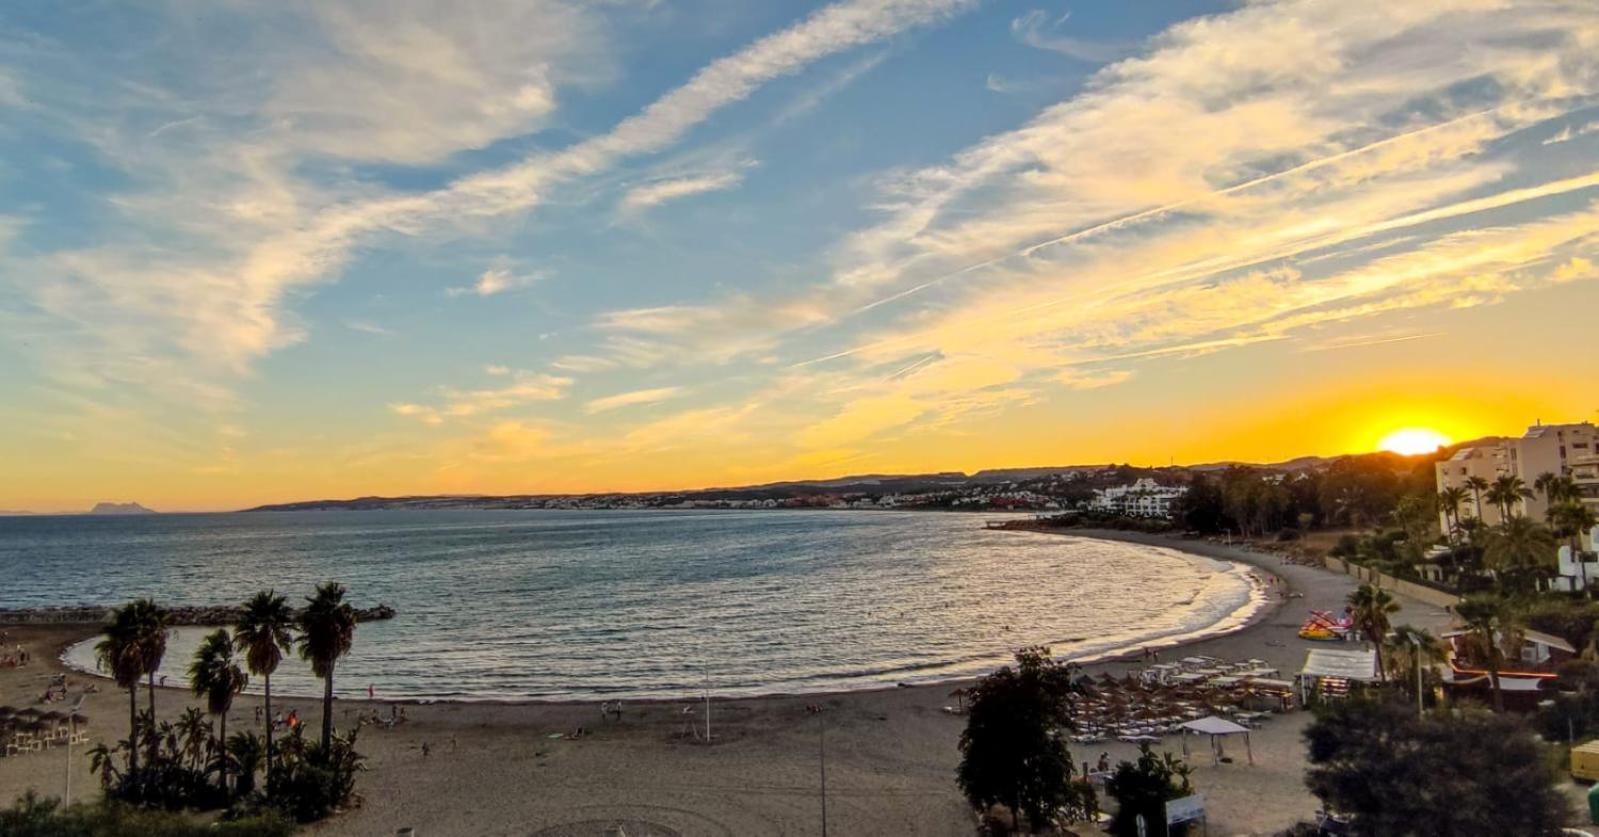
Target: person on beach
x=370 y=693
x=1104 y=763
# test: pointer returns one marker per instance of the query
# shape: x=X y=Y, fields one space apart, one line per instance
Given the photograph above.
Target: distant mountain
x=120 y=508
x=10 y=513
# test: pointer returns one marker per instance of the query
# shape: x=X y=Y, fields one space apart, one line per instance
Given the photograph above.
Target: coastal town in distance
x=801 y=418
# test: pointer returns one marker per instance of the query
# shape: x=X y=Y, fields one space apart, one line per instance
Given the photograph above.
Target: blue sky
x=255 y=251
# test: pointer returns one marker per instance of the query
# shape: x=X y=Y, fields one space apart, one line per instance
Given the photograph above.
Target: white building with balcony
x=1144 y=498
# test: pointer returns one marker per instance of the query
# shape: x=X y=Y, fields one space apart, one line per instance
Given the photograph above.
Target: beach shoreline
x=891 y=752
x=1262 y=601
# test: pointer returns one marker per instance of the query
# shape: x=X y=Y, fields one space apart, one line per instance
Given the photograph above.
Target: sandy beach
x=504 y=769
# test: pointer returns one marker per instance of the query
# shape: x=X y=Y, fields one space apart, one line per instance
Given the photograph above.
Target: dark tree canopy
x=1466 y=773
x=1144 y=787
x=1009 y=753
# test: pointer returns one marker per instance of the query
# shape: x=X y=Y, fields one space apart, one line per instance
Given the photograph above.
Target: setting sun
x=1411 y=441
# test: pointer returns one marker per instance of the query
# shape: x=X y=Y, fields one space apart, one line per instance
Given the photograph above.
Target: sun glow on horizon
x=1412 y=441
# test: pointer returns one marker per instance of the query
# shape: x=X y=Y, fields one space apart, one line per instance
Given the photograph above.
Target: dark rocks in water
x=186 y=615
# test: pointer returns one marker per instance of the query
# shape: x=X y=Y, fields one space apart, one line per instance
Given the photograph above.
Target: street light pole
x=821 y=750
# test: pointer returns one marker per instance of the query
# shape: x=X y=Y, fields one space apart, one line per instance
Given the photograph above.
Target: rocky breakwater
x=184 y=615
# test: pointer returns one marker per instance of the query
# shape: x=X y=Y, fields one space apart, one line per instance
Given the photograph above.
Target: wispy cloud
x=366 y=327
x=629 y=399
x=661 y=191
x=524 y=388
x=496 y=280
x=1037 y=29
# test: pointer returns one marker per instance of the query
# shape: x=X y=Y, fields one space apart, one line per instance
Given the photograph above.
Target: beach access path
x=505 y=769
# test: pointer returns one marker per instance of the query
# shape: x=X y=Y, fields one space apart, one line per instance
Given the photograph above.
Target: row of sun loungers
x=1155 y=702
x=31 y=730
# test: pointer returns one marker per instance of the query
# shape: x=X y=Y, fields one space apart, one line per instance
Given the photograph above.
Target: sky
x=259 y=252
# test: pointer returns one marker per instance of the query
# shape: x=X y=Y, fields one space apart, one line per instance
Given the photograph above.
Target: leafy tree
x=1415 y=514
x=1467 y=773
x=1372 y=606
x=327 y=629
x=1144 y=787
x=245 y=754
x=120 y=654
x=1202 y=506
x=215 y=675
x=263 y=634
x=1011 y=753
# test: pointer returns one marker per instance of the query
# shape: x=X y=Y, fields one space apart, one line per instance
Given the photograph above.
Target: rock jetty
x=187 y=615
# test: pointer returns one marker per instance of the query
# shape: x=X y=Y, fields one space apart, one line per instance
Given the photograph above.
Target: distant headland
x=120 y=508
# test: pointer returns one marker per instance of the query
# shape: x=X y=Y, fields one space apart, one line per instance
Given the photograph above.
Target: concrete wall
x=1408 y=589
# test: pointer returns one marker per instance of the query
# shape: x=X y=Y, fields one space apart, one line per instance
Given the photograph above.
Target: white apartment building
x=1144 y=498
x=1570 y=450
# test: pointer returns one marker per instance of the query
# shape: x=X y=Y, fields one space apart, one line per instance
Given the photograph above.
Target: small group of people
x=290 y=722
x=611 y=709
x=16 y=658
x=395 y=718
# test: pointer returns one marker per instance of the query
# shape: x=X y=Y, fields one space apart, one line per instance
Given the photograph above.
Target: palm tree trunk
x=154 y=743
x=268 y=680
x=133 y=727
x=222 y=753
x=1376 y=645
x=327 y=710
x=1493 y=679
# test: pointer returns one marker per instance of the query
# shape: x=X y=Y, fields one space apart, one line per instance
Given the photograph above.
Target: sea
x=581 y=605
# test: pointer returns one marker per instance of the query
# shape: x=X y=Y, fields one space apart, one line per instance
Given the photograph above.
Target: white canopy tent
x=1216 y=728
x=1355 y=665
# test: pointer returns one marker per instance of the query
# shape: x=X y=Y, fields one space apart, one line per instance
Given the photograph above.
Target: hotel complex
x=1570 y=450
x=1144 y=498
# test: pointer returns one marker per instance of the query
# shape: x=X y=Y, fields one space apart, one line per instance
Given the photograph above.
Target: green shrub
x=32 y=816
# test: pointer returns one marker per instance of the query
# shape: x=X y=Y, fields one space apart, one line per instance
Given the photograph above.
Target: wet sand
x=494 y=769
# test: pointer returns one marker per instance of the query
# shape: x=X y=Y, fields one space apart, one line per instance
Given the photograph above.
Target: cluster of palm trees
x=1518 y=544
x=135 y=640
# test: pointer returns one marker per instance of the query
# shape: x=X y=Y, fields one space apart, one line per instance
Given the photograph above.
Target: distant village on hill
x=1045 y=489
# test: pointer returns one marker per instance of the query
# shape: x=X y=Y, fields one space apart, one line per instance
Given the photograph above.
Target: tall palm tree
x=120 y=656
x=327 y=628
x=1519 y=545
x=263 y=634
x=1486 y=617
x=153 y=622
x=1477 y=485
x=215 y=675
x=1542 y=484
x=1507 y=492
x=1449 y=500
x=196 y=733
x=1371 y=606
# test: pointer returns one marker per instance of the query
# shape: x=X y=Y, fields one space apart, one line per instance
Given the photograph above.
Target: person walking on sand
x=370 y=694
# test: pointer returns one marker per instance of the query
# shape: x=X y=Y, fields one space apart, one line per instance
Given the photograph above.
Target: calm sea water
x=546 y=604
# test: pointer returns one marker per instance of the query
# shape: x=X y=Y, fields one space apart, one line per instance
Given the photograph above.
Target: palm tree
x=1486 y=617
x=244 y=752
x=196 y=733
x=120 y=656
x=1449 y=500
x=327 y=628
x=1519 y=545
x=1572 y=519
x=1507 y=492
x=152 y=621
x=1371 y=606
x=1411 y=647
x=263 y=634
x=1477 y=485
x=215 y=675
